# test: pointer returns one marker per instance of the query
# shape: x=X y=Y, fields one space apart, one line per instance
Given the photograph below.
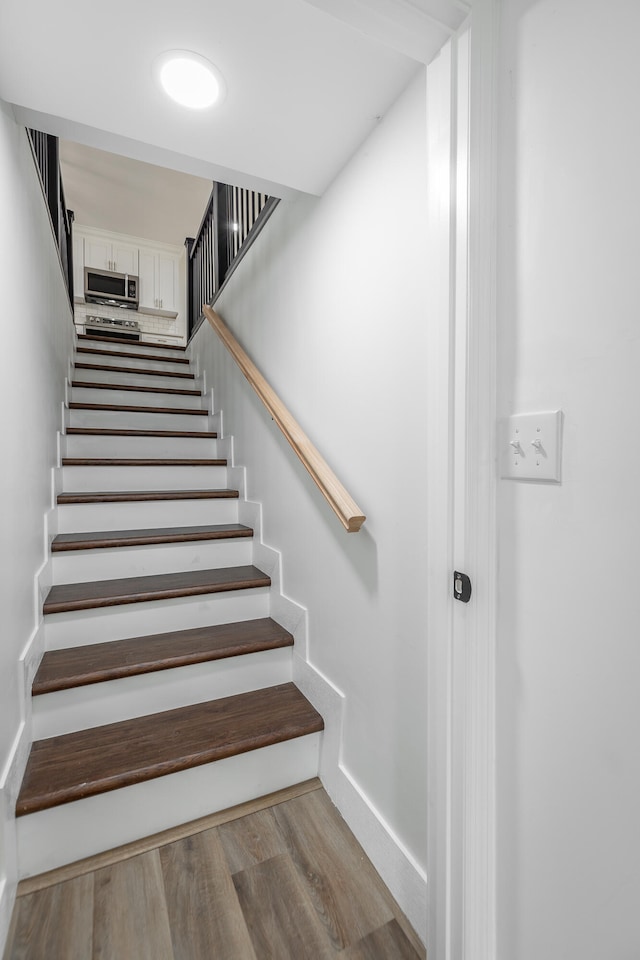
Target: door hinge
x=461 y=586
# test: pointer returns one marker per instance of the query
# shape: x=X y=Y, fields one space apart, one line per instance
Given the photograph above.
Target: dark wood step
x=137 y=496
x=140 y=462
x=141 y=343
x=68 y=597
x=127 y=408
x=99 y=662
x=130 y=355
x=136 y=370
x=88 y=762
x=136 y=538
x=104 y=432
x=134 y=388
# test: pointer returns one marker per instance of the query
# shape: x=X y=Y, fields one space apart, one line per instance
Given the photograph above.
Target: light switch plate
x=531 y=446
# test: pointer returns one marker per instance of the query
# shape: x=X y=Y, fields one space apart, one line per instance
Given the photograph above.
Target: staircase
x=165 y=691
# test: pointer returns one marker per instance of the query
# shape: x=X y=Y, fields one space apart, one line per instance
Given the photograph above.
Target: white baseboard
x=10 y=780
x=13 y=771
x=404 y=877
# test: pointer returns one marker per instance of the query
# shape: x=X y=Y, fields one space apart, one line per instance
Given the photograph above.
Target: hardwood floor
x=281 y=881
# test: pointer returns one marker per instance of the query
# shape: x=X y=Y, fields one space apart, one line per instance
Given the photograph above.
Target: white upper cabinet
x=105 y=255
x=159 y=275
x=167 y=281
x=147 y=275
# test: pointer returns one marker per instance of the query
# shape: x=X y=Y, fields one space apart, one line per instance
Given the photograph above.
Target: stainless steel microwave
x=113 y=289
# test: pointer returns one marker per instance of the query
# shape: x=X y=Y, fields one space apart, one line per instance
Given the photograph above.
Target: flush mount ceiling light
x=189 y=79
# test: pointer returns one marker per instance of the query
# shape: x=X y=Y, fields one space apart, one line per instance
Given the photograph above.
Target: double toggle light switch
x=531 y=445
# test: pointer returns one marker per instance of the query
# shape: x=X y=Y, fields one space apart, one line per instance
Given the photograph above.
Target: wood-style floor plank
x=133 y=496
x=196 y=874
x=108 y=432
x=387 y=941
x=65 y=597
x=115 y=659
x=135 y=370
x=134 y=408
x=142 y=462
x=130 y=912
x=130 y=355
x=326 y=853
x=251 y=840
x=279 y=914
x=84 y=337
x=54 y=924
x=95 y=540
x=136 y=388
x=82 y=764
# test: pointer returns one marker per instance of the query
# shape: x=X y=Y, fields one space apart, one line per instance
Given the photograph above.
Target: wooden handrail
x=345 y=508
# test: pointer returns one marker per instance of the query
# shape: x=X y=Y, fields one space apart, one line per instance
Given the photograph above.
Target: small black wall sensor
x=461 y=586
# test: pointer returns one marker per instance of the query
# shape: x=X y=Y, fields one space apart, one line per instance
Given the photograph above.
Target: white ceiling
x=307 y=79
x=127 y=196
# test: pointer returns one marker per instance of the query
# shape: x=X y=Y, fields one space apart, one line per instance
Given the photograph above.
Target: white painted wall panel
x=569 y=656
x=331 y=304
x=37 y=333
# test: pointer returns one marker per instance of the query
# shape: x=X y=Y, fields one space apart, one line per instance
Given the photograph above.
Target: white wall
x=36 y=342
x=569 y=337
x=331 y=305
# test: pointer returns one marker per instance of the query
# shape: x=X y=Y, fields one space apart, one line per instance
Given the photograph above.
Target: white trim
x=479 y=801
x=82 y=230
x=439 y=502
x=461 y=501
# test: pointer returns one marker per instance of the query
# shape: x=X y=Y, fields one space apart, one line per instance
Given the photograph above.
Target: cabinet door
x=125 y=259
x=147 y=274
x=97 y=253
x=167 y=282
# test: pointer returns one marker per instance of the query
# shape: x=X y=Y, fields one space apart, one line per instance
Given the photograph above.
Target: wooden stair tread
x=137 y=496
x=128 y=408
x=67 y=597
x=88 y=762
x=130 y=538
x=142 y=462
x=99 y=351
x=99 y=662
x=135 y=388
x=108 y=432
x=135 y=370
x=141 y=343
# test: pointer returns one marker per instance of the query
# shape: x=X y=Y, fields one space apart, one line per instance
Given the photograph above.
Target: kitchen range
x=112 y=327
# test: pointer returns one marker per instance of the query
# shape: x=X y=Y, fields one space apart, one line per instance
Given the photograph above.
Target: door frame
x=461 y=511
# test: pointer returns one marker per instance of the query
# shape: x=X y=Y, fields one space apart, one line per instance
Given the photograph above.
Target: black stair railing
x=46 y=154
x=232 y=220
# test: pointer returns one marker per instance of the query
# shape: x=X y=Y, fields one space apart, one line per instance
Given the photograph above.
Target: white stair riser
x=135 y=398
x=128 y=420
x=63 y=630
x=108 y=563
x=51 y=838
x=99 y=446
x=86 y=517
x=66 y=711
x=144 y=363
x=82 y=479
x=131 y=346
x=134 y=379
